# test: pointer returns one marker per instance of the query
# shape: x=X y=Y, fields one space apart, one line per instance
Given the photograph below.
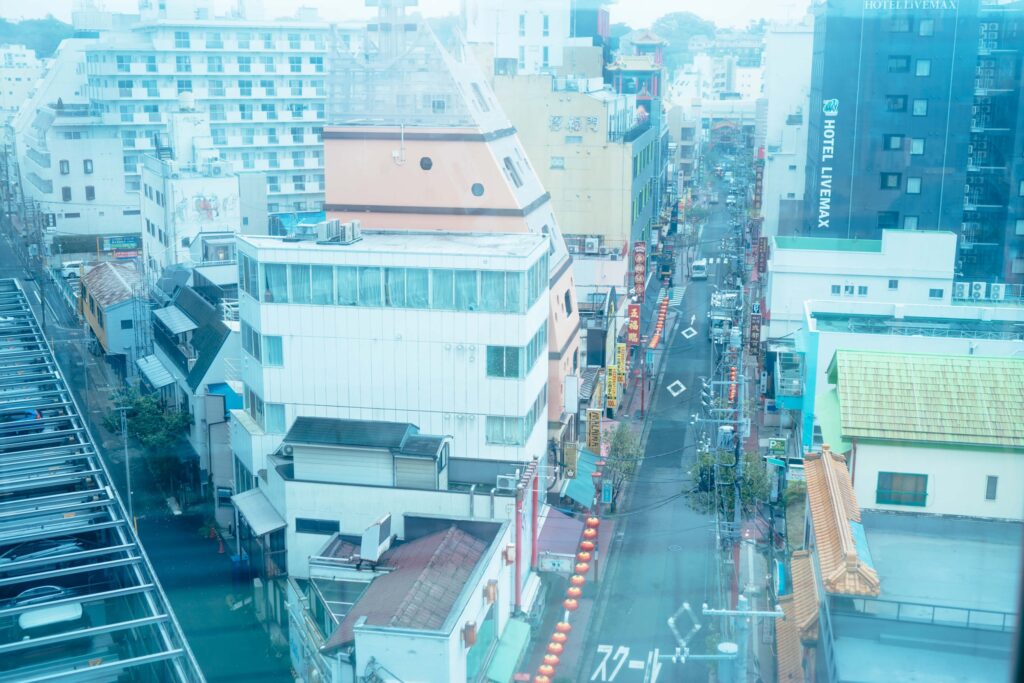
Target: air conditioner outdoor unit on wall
x=961 y=290
x=573 y=249
x=591 y=245
x=997 y=291
x=505 y=482
x=978 y=290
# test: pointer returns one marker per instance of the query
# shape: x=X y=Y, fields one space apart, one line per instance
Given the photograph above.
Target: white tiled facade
x=423 y=363
x=19 y=71
x=532 y=33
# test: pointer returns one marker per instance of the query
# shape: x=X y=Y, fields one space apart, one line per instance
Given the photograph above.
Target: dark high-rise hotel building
x=917 y=122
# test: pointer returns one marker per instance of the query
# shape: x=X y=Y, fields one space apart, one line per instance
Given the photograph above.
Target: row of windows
x=514 y=431
x=245 y=40
x=157 y=232
x=461 y=290
x=545 y=25
x=894 y=181
x=295 y=135
x=898 y=104
x=643 y=159
x=66 y=196
x=216 y=87
x=65 y=166
x=902 y=23
x=897 y=142
x=269 y=416
x=215 y=64
x=517 y=361
x=266 y=349
x=902 y=488
x=900 y=64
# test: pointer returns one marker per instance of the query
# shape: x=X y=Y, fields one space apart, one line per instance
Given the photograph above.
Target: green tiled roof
x=953 y=400
x=827 y=244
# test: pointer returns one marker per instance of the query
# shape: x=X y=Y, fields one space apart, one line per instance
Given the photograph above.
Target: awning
x=232 y=400
x=509 y=652
x=826 y=412
x=258 y=512
x=175 y=319
x=559 y=533
x=581 y=489
x=154 y=371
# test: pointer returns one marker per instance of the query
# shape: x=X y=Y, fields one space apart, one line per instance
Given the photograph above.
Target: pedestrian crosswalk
x=676 y=299
x=712 y=260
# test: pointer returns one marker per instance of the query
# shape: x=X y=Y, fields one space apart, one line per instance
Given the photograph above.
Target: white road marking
x=637 y=664
x=676 y=388
x=693 y=319
x=689 y=333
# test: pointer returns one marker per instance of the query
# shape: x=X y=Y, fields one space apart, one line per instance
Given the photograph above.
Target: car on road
x=699 y=270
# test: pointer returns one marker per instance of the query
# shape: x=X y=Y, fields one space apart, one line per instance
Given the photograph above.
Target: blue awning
x=509 y=652
x=581 y=489
x=232 y=401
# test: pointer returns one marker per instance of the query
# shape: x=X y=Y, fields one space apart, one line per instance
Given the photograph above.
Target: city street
x=663 y=553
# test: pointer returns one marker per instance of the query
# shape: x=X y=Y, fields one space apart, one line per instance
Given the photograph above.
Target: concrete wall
x=956 y=478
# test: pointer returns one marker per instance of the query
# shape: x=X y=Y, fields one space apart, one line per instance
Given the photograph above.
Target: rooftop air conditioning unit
x=978 y=290
x=573 y=248
x=591 y=245
x=997 y=291
x=961 y=290
x=506 y=482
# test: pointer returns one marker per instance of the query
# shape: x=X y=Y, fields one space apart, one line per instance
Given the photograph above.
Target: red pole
x=519 y=549
x=643 y=382
x=536 y=516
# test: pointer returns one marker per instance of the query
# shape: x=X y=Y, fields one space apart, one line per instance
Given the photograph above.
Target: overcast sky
x=636 y=13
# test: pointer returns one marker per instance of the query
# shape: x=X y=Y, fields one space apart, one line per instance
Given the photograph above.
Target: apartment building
x=19 y=71
x=447 y=331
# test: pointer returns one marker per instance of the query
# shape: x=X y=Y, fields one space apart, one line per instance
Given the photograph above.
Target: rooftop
x=801 y=621
x=425 y=579
x=401 y=437
x=930 y=398
x=112 y=282
x=827 y=244
x=506 y=245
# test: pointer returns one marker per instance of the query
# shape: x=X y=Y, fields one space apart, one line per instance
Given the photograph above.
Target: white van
x=71 y=269
x=699 y=270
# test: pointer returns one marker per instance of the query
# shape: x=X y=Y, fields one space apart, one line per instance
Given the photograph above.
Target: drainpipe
x=519 y=549
x=492 y=502
x=472 y=490
x=536 y=516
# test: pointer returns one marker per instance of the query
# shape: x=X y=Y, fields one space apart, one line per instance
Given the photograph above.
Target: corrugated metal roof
x=258 y=512
x=930 y=398
x=175 y=319
x=154 y=371
x=421 y=445
x=111 y=283
x=339 y=432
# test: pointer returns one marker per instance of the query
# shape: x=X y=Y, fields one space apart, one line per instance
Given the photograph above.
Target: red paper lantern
x=556 y=648
x=577 y=580
x=551 y=660
x=583 y=556
x=593 y=522
x=590 y=534
x=587 y=546
x=600 y=463
x=563 y=627
x=571 y=605
x=582 y=567
x=596 y=474
x=559 y=638
x=574 y=592
x=546 y=670
x=541 y=679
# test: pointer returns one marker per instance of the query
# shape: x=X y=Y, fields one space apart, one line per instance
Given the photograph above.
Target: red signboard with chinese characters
x=633 y=324
x=758 y=183
x=639 y=268
x=762 y=255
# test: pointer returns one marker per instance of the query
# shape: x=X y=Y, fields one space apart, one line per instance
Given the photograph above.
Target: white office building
x=447 y=331
x=906 y=267
x=529 y=36
x=787 y=88
x=19 y=71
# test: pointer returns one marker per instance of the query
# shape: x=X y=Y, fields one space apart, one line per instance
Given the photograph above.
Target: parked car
x=71 y=269
x=42 y=549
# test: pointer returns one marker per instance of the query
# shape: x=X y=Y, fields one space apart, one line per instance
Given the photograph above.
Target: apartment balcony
x=44 y=186
x=41 y=158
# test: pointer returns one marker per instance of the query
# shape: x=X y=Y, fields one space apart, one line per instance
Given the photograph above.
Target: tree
x=42 y=35
x=709 y=480
x=677 y=28
x=158 y=430
x=624 y=456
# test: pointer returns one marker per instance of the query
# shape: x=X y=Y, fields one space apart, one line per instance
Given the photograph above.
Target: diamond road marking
x=689 y=333
x=676 y=388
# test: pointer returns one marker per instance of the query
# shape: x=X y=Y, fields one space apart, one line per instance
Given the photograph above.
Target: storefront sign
x=611 y=389
x=571 y=458
x=762 y=255
x=130 y=253
x=777 y=446
x=755 y=332
x=639 y=268
x=633 y=324
x=620 y=361
x=830 y=108
x=758 y=183
x=594 y=430
x=119 y=242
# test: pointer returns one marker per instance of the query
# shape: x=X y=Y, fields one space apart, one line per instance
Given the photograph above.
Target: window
x=899 y=24
x=913 y=186
x=182 y=40
x=893 y=142
x=126 y=324
x=87 y=166
x=568 y=302
x=244 y=65
x=243 y=40
x=217 y=112
x=991 y=483
x=269 y=65
x=896 y=488
x=215 y=88
x=317 y=63
x=90 y=192
x=1019 y=226
x=124 y=63
x=899 y=64
x=151 y=89
x=836 y=290
x=896 y=103
x=862 y=290
x=275 y=283
x=920 y=108
x=513 y=173
x=245 y=89
x=923 y=67
x=558 y=163
x=935 y=293
x=124 y=88
x=505 y=431
x=891 y=181
x=324 y=527
x=274 y=423
x=150 y=62
x=99 y=316
x=184 y=85
x=214 y=40
x=926 y=27
x=295 y=65
x=245 y=112
x=522 y=57
x=847 y=290
x=183 y=63
x=894 y=284
x=273 y=353
x=544 y=56
x=294 y=41
x=322 y=285
x=269 y=88
x=910 y=222
x=268 y=40
x=370 y=290
x=916 y=146
x=65 y=167
x=505 y=361
x=522 y=25
x=574 y=139
x=545 y=25
x=65 y=194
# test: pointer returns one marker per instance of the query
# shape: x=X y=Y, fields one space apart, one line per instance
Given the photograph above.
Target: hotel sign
x=830 y=108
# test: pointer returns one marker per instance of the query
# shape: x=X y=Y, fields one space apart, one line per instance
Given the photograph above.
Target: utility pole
x=123 y=409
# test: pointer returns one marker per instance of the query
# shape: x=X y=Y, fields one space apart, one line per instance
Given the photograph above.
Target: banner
x=571 y=459
x=620 y=361
x=755 y=332
x=594 y=431
x=633 y=325
x=762 y=255
x=612 y=387
x=639 y=268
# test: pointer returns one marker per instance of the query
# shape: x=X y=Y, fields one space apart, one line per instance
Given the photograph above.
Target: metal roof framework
x=66 y=538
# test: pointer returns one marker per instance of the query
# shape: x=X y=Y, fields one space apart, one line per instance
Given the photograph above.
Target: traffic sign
x=606 y=493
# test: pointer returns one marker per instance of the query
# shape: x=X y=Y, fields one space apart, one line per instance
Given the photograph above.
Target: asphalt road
x=664 y=551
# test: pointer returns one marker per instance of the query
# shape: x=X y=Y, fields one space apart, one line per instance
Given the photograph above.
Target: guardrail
x=920 y=613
